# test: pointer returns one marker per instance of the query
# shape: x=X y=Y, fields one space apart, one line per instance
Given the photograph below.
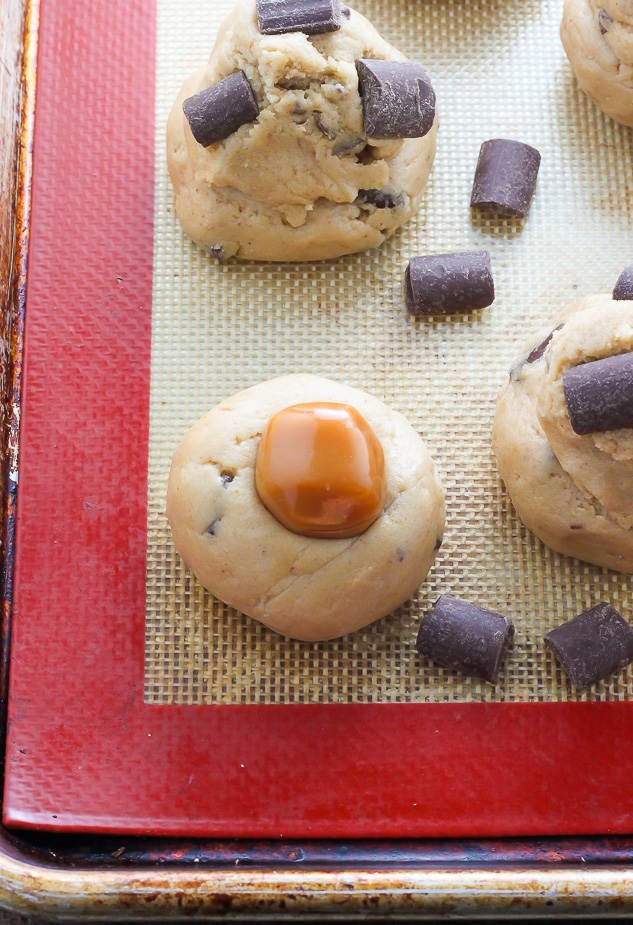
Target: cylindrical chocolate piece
x=219 y=110
x=313 y=17
x=398 y=99
x=623 y=289
x=593 y=645
x=465 y=638
x=599 y=395
x=505 y=178
x=441 y=284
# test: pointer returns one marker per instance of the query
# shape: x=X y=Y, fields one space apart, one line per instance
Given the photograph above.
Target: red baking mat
x=84 y=752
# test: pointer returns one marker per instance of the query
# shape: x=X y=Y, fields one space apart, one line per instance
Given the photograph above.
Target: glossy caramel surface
x=321 y=470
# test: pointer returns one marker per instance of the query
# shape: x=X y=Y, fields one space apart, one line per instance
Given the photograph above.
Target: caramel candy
x=320 y=470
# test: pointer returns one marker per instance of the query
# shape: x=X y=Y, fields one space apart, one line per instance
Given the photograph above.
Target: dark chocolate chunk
x=534 y=354
x=604 y=21
x=219 y=110
x=322 y=126
x=599 y=395
x=623 y=289
x=505 y=178
x=398 y=99
x=381 y=198
x=346 y=145
x=447 y=283
x=210 y=531
x=310 y=16
x=226 y=477
x=593 y=645
x=464 y=637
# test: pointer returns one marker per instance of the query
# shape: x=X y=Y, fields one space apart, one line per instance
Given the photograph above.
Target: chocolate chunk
x=345 y=10
x=604 y=21
x=465 y=638
x=210 y=531
x=534 y=354
x=623 y=289
x=322 y=126
x=505 y=178
x=599 y=395
x=345 y=145
x=381 y=198
x=310 y=16
x=447 y=283
x=226 y=478
x=398 y=99
x=593 y=645
x=219 y=110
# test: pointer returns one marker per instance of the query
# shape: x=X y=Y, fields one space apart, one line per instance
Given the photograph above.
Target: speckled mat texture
x=499 y=71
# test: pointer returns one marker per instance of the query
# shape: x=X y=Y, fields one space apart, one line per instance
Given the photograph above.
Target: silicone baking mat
x=88 y=748
x=499 y=70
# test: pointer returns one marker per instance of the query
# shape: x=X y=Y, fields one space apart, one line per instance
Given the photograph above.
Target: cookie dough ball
x=598 y=38
x=304 y=587
x=302 y=181
x=575 y=492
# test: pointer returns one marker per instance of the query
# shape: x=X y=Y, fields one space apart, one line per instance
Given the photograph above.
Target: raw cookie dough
x=575 y=492
x=598 y=38
x=304 y=587
x=293 y=184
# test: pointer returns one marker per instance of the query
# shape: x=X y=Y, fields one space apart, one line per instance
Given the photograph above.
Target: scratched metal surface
x=218 y=329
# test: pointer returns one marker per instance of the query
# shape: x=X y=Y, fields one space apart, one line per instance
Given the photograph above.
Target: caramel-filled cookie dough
x=304 y=587
x=598 y=38
x=575 y=492
x=301 y=182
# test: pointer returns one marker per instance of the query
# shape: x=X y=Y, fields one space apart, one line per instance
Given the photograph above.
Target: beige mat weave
x=499 y=70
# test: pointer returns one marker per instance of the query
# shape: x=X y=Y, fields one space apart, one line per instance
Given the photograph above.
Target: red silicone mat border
x=84 y=752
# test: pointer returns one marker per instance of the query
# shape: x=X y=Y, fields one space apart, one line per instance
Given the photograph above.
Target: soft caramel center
x=321 y=470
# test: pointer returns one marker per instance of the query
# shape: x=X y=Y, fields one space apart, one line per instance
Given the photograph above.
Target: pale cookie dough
x=304 y=587
x=575 y=492
x=287 y=186
x=598 y=38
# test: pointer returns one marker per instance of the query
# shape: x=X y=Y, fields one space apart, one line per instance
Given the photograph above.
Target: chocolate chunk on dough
x=310 y=16
x=219 y=110
x=464 y=637
x=398 y=99
x=623 y=289
x=599 y=395
x=593 y=645
x=448 y=283
x=505 y=178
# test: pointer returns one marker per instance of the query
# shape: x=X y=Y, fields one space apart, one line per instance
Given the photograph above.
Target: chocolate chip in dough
x=604 y=21
x=505 y=178
x=593 y=645
x=313 y=17
x=534 y=354
x=465 y=638
x=623 y=289
x=398 y=99
x=599 y=395
x=219 y=110
x=448 y=283
x=381 y=198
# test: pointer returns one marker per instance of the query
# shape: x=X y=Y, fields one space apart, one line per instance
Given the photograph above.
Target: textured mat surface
x=499 y=71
